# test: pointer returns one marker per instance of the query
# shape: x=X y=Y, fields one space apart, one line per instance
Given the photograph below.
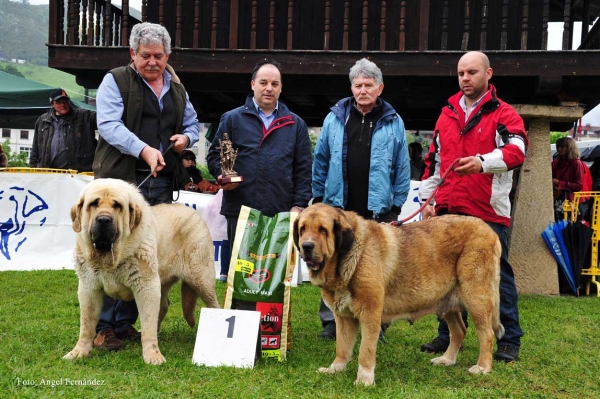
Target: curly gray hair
x=367 y=69
x=149 y=33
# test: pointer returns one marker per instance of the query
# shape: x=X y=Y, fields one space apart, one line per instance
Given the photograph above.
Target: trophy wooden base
x=231 y=179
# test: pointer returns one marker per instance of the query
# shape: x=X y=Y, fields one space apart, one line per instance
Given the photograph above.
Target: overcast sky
x=554 y=43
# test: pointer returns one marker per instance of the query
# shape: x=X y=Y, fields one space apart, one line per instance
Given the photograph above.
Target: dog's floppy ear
x=296 y=234
x=135 y=216
x=344 y=235
x=76 y=215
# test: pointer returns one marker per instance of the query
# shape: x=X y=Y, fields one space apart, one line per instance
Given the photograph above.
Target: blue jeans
x=118 y=314
x=509 y=309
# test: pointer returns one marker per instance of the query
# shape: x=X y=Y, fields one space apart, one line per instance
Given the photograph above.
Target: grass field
x=39 y=323
x=50 y=77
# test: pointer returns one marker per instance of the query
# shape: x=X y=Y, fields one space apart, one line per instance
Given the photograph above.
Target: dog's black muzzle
x=307 y=248
x=104 y=233
x=307 y=254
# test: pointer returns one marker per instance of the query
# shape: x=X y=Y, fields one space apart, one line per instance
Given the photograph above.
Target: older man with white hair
x=142 y=110
x=361 y=159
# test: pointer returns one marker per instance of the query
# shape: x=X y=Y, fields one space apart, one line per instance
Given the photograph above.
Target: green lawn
x=51 y=77
x=39 y=323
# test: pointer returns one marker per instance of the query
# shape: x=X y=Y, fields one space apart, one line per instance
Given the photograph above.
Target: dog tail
x=496 y=325
x=188 y=303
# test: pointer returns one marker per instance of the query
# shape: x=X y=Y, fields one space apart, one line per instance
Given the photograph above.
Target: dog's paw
x=334 y=368
x=443 y=361
x=365 y=381
x=75 y=354
x=154 y=358
x=365 y=377
x=477 y=369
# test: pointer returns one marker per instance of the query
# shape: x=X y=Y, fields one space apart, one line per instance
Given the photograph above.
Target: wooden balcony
x=416 y=44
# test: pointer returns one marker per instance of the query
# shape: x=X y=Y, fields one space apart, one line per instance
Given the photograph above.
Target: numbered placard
x=227 y=337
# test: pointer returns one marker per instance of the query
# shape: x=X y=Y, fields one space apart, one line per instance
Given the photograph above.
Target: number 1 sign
x=227 y=338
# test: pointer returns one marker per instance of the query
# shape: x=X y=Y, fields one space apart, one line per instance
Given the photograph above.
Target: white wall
x=17 y=144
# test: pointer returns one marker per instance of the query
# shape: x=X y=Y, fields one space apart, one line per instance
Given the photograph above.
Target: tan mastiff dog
x=371 y=273
x=129 y=250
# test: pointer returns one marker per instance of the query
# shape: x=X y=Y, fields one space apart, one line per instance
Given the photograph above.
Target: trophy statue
x=228 y=154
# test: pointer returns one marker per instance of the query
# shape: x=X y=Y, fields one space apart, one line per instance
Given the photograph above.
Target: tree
x=313 y=143
x=14 y=160
x=12 y=70
x=205 y=173
x=557 y=135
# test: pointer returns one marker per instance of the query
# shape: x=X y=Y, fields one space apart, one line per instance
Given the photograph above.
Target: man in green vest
x=142 y=109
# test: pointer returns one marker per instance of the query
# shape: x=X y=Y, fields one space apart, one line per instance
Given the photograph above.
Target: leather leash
x=426 y=203
x=150 y=174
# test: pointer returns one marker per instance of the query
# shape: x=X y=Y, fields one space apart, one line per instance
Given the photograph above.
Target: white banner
x=35 y=221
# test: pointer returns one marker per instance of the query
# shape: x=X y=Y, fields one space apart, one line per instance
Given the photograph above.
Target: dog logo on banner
x=22 y=206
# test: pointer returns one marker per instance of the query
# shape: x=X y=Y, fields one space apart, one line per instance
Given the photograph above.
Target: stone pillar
x=534 y=266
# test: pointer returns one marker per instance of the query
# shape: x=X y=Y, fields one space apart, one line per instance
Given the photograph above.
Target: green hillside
x=51 y=77
x=24 y=32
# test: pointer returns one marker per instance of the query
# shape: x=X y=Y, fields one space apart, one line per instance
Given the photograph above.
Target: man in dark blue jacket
x=273 y=152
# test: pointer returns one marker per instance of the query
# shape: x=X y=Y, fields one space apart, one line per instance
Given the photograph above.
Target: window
x=5 y=133
x=24 y=134
x=26 y=150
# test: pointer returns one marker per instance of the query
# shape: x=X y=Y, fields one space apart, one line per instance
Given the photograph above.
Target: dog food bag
x=260 y=274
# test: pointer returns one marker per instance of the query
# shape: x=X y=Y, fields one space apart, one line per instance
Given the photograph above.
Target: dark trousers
x=225 y=257
x=325 y=314
x=509 y=309
x=116 y=313
x=231 y=227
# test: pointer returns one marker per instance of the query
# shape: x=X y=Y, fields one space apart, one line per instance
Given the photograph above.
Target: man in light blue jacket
x=361 y=159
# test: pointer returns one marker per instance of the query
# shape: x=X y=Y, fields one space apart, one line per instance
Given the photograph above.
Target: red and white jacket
x=496 y=134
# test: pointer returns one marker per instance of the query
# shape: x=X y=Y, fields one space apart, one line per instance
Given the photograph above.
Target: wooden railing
x=89 y=23
x=375 y=25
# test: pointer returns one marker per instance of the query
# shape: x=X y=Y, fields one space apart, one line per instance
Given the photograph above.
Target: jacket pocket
x=85 y=142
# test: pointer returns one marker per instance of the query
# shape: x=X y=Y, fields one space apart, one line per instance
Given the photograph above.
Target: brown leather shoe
x=131 y=334
x=106 y=340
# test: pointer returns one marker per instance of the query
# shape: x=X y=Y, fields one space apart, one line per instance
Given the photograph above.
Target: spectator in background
x=3 y=158
x=64 y=137
x=595 y=173
x=417 y=164
x=567 y=173
x=361 y=160
x=197 y=183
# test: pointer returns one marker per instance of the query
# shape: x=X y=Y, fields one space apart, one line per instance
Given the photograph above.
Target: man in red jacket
x=487 y=137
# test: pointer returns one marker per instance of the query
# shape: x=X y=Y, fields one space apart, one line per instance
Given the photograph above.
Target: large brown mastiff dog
x=372 y=273
x=129 y=250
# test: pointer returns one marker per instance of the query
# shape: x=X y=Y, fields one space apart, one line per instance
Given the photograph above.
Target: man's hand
x=153 y=158
x=428 y=212
x=180 y=142
x=295 y=209
x=469 y=166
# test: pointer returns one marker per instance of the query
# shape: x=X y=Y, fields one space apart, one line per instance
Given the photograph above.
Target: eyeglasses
x=189 y=158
